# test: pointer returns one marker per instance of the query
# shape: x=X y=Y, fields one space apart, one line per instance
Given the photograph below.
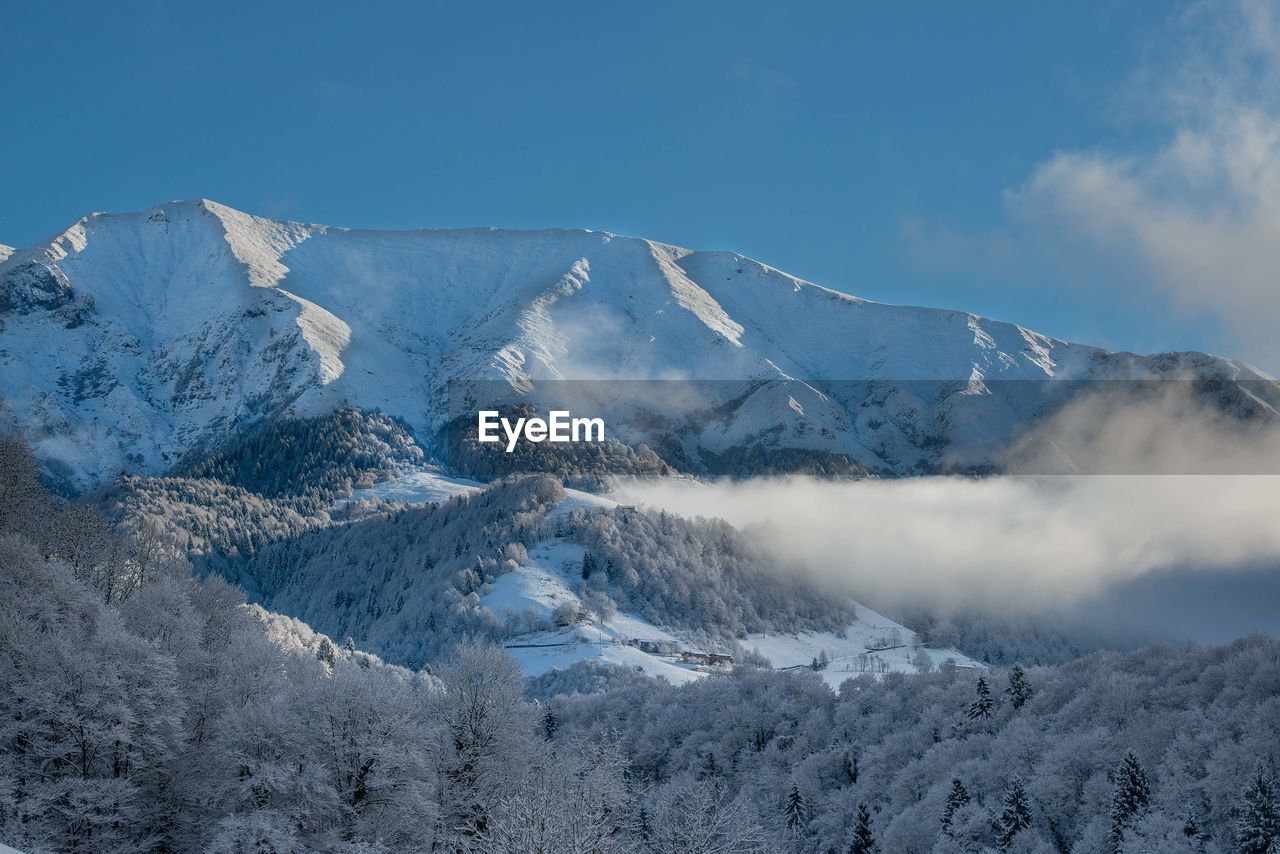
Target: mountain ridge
x=129 y=340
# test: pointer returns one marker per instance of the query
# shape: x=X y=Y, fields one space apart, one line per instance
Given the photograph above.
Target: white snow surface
x=550 y=577
x=862 y=649
x=429 y=485
x=545 y=583
x=416 y=486
x=131 y=339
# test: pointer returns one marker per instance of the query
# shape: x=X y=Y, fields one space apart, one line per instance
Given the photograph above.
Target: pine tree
x=1190 y=826
x=796 y=810
x=326 y=652
x=956 y=798
x=1129 y=800
x=983 y=705
x=350 y=644
x=864 y=841
x=588 y=565
x=1019 y=689
x=550 y=724
x=1016 y=816
x=1258 y=822
x=849 y=763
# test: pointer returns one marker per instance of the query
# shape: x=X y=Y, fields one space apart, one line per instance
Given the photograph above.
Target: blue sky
x=929 y=153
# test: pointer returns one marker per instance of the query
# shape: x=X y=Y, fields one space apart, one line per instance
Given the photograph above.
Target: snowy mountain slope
x=427 y=485
x=872 y=644
x=539 y=587
x=530 y=595
x=130 y=340
x=414 y=486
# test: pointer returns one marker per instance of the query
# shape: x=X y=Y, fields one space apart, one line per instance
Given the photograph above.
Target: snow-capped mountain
x=130 y=340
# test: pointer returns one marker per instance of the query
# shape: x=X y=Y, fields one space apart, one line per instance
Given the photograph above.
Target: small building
x=655 y=647
x=712 y=658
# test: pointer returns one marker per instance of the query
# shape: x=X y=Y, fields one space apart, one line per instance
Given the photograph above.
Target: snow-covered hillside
x=872 y=644
x=542 y=591
x=129 y=340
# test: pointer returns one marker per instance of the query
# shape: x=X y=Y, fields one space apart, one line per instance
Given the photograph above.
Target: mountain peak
x=132 y=339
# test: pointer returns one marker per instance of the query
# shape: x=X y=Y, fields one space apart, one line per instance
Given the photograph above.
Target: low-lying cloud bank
x=1030 y=543
x=1008 y=541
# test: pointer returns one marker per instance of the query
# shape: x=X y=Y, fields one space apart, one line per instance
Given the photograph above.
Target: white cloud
x=1028 y=543
x=1199 y=215
x=1010 y=542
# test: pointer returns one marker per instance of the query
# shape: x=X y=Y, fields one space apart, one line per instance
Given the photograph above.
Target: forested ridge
x=1162 y=750
x=146 y=709
x=280 y=479
x=408 y=581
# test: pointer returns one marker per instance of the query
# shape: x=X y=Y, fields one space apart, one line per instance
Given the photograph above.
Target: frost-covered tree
x=570 y=796
x=957 y=797
x=169 y=720
x=1015 y=815
x=864 y=841
x=691 y=816
x=23 y=500
x=849 y=764
x=982 y=706
x=484 y=723
x=1130 y=798
x=1190 y=825
x=1019 y=689
x=795 y=811
x=549 y=724
x=1258 y=824
x=327 y=652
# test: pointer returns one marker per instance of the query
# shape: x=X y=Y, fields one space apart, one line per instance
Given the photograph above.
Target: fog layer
x=1030 y=542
